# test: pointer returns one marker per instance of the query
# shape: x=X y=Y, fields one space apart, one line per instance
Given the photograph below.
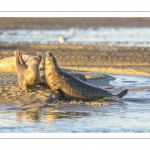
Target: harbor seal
x=72 y=87
x=8 y=64
x=28 y=75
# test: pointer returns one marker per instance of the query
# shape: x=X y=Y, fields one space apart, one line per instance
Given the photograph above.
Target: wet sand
x=37 y=112
x=74 y=59
x=106 y=59
x=39 y=98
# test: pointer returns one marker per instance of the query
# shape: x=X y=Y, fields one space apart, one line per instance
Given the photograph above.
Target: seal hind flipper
x=20 y=64
x=20 y=59
x=121 y=94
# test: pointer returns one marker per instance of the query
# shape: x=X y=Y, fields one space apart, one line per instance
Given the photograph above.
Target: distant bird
x=60 y=39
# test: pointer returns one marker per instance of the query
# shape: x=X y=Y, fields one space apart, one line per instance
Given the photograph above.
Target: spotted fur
x=71 y=86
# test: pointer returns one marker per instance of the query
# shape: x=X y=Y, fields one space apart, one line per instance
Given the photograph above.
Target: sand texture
x=39 y=98
x=108 y=59
x=73 y=59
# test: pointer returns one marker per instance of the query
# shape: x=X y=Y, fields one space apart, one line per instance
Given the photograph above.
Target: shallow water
x=93 y=36
x=130 y=116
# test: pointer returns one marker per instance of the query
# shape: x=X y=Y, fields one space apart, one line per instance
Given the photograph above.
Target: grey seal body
x=28 y=75
x=71 y=86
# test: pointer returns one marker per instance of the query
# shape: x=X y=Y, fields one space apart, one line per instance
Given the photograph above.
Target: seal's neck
x=33 y=68
x=54 y=67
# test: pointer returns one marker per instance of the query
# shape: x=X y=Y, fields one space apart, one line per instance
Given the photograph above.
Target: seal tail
x=121 y=94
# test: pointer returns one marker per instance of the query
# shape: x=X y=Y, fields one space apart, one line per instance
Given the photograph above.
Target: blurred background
x=110 y=41
x=83 y=31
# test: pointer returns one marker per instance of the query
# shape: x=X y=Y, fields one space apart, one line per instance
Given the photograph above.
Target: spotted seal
x=28 y=75
x=72 y=87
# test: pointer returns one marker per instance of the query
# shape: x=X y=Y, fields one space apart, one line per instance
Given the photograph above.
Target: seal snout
x=49 y=54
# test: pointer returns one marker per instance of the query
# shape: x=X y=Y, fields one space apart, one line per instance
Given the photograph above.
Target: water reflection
x=37 y=116
x=28 y=116
x=132 y=117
